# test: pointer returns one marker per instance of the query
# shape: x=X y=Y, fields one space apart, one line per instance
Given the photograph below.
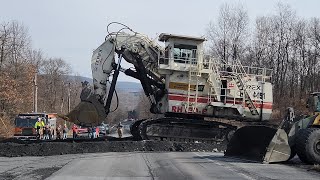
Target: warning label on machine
x=184 y=86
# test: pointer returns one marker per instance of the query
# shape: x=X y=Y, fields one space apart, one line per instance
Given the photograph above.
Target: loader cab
x=181 y=52
x=313 y=102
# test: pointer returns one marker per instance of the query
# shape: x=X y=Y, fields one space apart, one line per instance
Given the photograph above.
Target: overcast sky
x=71 y=29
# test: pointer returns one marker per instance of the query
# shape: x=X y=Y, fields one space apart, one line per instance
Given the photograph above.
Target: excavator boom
x=136 y=49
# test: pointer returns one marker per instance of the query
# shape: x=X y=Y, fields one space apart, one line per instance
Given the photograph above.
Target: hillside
x=121 y=85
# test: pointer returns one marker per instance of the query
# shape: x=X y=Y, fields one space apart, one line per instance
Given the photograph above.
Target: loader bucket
x=259 y=143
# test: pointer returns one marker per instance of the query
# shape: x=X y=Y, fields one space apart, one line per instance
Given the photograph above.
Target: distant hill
x=129 y=86
x=121 y=85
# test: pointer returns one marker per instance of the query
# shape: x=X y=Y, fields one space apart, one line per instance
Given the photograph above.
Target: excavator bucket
x=85 y=113
x=89 y=112
x=259 y=143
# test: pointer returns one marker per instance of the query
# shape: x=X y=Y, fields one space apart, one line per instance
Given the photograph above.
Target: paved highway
x=175 y=166
x=138 y=165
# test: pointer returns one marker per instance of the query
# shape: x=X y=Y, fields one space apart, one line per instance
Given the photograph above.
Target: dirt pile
x=20 y=148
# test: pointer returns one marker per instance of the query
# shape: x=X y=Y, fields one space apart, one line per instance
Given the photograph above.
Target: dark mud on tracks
x=14 y=147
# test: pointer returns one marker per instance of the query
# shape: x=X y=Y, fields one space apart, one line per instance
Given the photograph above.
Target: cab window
x=183 y=53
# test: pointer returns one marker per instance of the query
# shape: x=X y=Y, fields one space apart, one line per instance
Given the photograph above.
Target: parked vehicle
x=82 y=131
x=104 y=129
x=24 y=124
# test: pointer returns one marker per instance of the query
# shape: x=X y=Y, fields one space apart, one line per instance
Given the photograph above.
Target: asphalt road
x=136 y=165
x=175 y=166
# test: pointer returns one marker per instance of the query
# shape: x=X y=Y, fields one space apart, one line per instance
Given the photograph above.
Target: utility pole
x=35 y=94
x=69 y=100
x=69 y=95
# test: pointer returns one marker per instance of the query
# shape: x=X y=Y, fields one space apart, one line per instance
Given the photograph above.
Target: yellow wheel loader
x=293 y=136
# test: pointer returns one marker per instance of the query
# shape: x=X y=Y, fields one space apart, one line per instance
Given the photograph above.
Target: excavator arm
x=137 y=50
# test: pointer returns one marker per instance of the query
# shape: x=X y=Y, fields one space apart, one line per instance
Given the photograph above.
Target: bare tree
x=227 y=34
x=35 y=57
x=282 y=41
x=15 y=71
x=53 y=73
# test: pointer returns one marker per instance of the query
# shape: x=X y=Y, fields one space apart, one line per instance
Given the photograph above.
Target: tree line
x=19 y=64
x=282 y=41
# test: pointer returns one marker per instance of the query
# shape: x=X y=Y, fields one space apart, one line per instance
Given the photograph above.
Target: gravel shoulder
x=16 y=148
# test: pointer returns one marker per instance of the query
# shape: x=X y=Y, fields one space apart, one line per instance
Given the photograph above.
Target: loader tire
x=308 y=145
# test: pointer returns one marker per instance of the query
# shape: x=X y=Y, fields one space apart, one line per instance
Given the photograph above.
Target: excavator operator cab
x=180 y=51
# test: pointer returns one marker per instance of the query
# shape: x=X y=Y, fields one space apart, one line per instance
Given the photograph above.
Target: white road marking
x=226 y=166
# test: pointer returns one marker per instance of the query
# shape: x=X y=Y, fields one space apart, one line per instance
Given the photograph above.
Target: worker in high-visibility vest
x=38 y=126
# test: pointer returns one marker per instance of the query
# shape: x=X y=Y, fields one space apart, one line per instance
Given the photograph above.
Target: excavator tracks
x=181 y=130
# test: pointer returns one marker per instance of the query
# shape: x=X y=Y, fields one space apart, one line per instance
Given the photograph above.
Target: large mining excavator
x=181 y=83
x=293 y=136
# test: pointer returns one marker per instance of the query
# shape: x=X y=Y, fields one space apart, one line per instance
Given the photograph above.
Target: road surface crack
x=146 y=160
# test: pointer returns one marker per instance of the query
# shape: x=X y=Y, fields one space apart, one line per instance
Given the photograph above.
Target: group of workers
x=62 y=132
x=46 y=132
x=93 y=132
